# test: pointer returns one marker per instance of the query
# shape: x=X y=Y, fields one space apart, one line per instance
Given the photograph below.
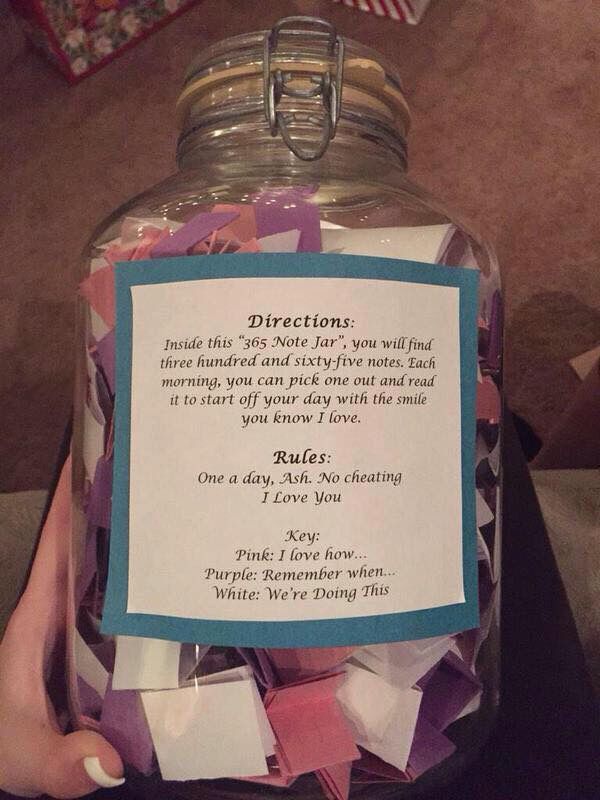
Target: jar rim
x=296 y=74
x=222 y=54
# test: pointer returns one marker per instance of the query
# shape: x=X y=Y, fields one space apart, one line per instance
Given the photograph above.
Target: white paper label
x=295 y=449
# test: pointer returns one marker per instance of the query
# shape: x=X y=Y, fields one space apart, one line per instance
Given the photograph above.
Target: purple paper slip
x=196 y=230
x=495 y=337
x=430 y=747
x=105 y=350
x=105 y=653
x=99 y=505
x=371 y=768
x=123 y=724
x=259 y=662
x=285 y=210
x=105 y=397
x=90 y=702
x=88 y=565
x=447 y=691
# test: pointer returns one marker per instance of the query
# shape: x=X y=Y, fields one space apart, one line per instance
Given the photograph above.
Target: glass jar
x=272 y=122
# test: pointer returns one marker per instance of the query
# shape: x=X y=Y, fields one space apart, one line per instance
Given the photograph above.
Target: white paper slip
x=421 y=243
x=190 y=657
x=132 y=231
x=93 y=400
x=494 y=458
x=285 y=242
x=142 y=663
x=497 y=565
x=88 y=667
x=422 y=646
x=331 y=226
x=394 y=746
x=209 y=731
x=244 y=673
x=98 y=327
x=586 y=362
x=93 y=442
x=482 y=511
x=470 y=708
x=109 y=243
x=483 y=554
x=368 y=701
x=96 y=264
x=481 y=450
x=404 y=663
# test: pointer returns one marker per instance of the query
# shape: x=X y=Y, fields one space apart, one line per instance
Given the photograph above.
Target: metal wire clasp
x=276 y=84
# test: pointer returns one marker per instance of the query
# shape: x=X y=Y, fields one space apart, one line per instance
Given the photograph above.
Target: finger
x=80 y=763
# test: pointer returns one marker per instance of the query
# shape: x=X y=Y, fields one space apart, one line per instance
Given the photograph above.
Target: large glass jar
x=292 y=121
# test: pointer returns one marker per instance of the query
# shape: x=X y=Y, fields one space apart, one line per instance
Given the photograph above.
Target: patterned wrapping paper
x=80 y=36
x=451 y=688
x=402 y=10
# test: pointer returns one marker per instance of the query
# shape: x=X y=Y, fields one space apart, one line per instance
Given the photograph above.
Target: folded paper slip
x=310 y=727
x=221 y=716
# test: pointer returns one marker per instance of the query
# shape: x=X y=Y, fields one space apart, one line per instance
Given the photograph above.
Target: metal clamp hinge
x=328 y=88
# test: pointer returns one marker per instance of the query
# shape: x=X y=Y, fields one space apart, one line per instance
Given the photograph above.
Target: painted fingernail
x=92 y=766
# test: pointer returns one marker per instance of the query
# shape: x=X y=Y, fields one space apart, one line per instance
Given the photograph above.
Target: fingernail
x=92 y=766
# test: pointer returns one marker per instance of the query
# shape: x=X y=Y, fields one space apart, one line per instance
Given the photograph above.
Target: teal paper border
x=306 y=633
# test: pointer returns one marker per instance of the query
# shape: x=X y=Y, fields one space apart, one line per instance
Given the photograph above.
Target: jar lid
x=231 y=72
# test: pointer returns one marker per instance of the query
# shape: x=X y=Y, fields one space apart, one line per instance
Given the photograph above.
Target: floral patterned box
x=80 y=36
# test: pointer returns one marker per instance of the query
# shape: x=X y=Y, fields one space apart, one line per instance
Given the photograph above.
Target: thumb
x=78 y=764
